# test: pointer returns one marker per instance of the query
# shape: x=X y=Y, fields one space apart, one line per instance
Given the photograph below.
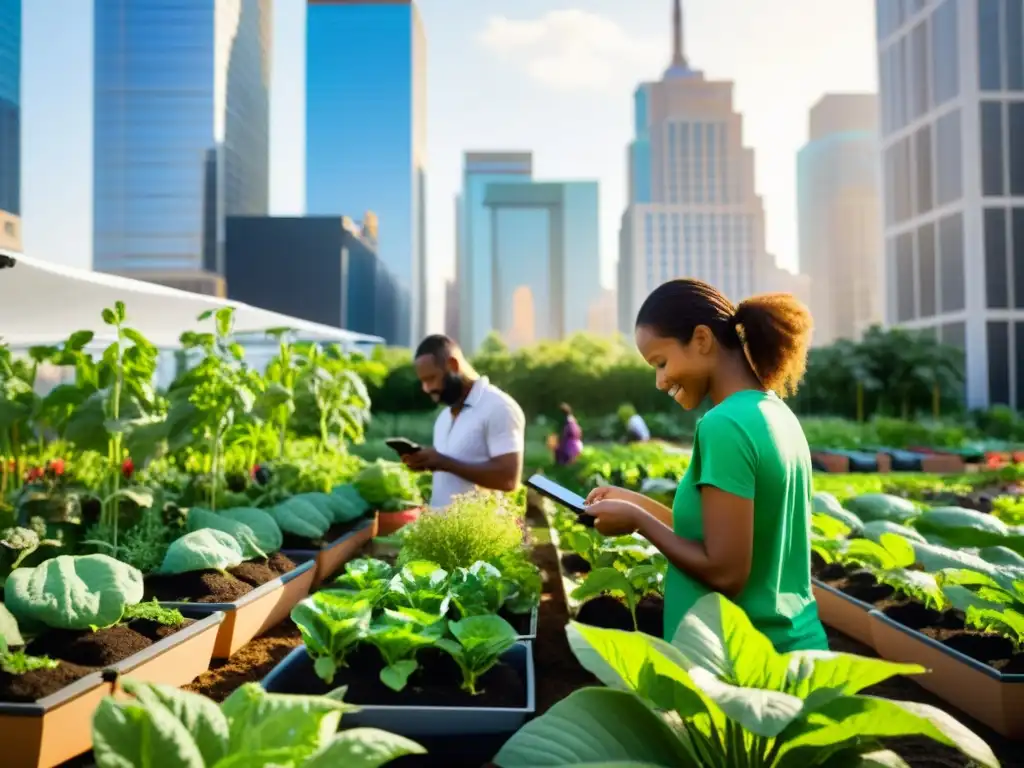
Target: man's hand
x=423 y=460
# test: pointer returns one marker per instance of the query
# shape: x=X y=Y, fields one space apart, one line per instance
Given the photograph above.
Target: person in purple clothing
x=570 y=442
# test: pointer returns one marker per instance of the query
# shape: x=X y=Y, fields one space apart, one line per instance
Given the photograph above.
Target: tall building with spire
x=693 y=210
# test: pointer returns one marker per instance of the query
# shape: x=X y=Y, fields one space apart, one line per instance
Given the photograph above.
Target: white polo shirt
x=490 y=424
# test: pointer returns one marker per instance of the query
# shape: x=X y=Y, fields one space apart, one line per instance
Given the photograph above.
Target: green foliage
x=474 y=527
x=479 y=643
x=164 y=727
x=300 y=517
x=388 y=486
x=69 y=592
x=201 y=550
x=741 y=703
x=153 y=611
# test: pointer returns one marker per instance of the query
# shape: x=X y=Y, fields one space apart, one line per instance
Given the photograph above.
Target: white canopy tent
x=42 y=303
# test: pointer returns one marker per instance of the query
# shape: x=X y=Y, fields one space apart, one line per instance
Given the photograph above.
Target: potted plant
x=391 y=489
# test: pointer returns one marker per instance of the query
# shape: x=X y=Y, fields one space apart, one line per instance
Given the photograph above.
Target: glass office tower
x=366 y=131
x=10 y=124
x=181 y=134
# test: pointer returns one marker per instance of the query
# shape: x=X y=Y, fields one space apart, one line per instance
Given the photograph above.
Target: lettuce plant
x=421 y=585
x=987 y=605
x=720 y=696
x=480 y=642
x=331 y=625
x=399 y=635
x=478 y=590
x=890 y=560
x=17 y=662
x=388 y=486
x=205 y=549
x=67 y=592
x=253 y=529
x=631 y=585
x=166 y=727
x=523 y=582
x=364 y=574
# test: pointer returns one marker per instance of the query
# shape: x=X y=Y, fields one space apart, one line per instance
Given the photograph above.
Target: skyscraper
x=545 y=258
x=181 y=134
x=474 y=268
x=366 y=132
x=951 y=89
x=839 y=209
x=693 y=210
x=10 y=124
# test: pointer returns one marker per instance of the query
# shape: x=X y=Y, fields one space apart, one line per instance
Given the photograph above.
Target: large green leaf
x=268 y=535
x=69 y=592
x=10 y=635
x=363 y=748
x=717 y=636
x=199 y=518
x=617 y=658
x=863 y=718
x=201 y=550
x=126 y=734
x=201 y=717
x=843 y=674
x=594 y=726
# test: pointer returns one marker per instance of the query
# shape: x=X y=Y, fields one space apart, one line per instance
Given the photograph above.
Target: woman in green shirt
x=740 y=522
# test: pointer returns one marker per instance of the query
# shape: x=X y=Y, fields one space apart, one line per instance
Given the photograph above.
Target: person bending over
x=478 y=438
x=740 y=523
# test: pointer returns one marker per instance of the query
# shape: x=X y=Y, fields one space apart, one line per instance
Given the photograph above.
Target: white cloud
x=570 y=49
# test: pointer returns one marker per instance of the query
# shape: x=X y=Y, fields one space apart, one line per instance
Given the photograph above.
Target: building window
x=923 y=160
x=901 y=180
x=945 y=53
x=926 y=269
x=919 y=71
x=698 y=162
x=1017 y=259
x=990 y=51
x=948 y=159
x=955 y=335
x=900 y=76
x=1014 y=11
x=992 y=149
x=1015 y=134
x=951 y=263
x=996 y=277
x=905 y=277
x=998 y=363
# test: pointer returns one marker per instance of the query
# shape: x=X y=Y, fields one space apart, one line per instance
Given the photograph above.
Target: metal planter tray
x=417 y=721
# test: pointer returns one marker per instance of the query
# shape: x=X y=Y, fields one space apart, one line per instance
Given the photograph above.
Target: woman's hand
x=607 y=492
x=614 y=517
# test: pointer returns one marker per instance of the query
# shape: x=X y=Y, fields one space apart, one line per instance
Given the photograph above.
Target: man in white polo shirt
x=478 y=438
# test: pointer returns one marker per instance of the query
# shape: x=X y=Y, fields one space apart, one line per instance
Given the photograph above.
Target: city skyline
x=10 y=124
x=481 y=50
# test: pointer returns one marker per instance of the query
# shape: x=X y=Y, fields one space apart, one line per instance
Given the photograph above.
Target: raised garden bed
x=433 y=703
x=46 y=715
x=256 y=596
x=976 y=672
x=339 y=545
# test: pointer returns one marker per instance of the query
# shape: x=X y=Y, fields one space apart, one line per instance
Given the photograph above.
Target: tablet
x=557 y=493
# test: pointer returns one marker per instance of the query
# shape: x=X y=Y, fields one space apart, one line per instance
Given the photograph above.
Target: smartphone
x=401 y=446
x=561 y=495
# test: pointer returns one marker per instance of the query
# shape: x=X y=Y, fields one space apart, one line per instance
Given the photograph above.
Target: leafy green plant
x=166 y=727
x=202 y=550
x=421 y=585
x=523 y=581
x=300 y=517
x=243 y=534
x=478 y=590
x=631 y=585
x=331 y=625
x=388 y=486
x=17 y=662
x=23 y=542
x=399 y=635
x=474 y=527
x=364 y=574
x=480 y=642
x=153 y=611
x=68 y=592
x=733 y=702
x=890 y=560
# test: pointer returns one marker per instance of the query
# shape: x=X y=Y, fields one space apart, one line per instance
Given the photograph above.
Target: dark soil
x=334 y=533
x=948 y=628
x=215 y=587
x=436 y=683
x=80 y=652
x=611 y=613
x=250 y=664
x=573 y=563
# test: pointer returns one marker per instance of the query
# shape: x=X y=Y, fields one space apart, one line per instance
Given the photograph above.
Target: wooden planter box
x=258 y=611
x=995 y=699
x=331 y=557
x=844 y=613
x=58 y=728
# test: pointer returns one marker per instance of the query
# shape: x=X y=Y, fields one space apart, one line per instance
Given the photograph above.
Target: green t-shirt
x=752 y=446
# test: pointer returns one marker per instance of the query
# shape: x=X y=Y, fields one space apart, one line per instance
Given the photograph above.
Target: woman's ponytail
x=775 y=329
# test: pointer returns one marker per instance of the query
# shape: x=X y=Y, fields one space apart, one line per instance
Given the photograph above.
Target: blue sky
x=551 y=76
